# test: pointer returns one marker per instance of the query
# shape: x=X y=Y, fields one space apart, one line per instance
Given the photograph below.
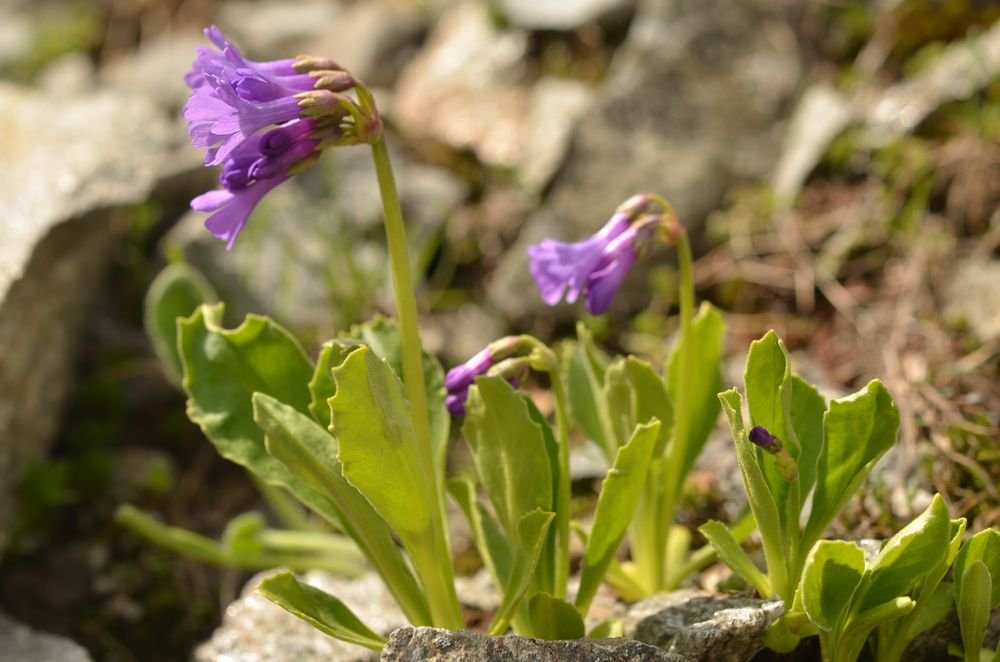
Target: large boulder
x=72 y=167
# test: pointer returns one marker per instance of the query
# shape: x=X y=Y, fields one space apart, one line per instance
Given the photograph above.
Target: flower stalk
x=436 y=574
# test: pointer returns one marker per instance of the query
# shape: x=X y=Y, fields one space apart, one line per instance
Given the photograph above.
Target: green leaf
x=613 y=628
x=858 y=430
x=729 y=550
x=509 y=451
x=382 y=336
x=240 y=537
x=933 y=608
x=766 y=377
x=908 y=556
x=808 y=408
x=527 y=547
x=706 y=348
x=223 y=369
x=974 y=605
x=585 y=380
x=320 y=609
x=769 y=399
x=759 y=496
x=554 y=619
x=620 y=494
x=855 y=634
x=322 y=386
x=175 y=293
x=617 y=394
x=985 y=547
x=636 y=395
x=310 y=453
x=831 y=575
x=378 y=448
x=491 y=544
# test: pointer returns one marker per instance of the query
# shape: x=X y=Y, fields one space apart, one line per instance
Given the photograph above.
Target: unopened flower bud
x=636 y=205
x=307 y=63
x=765 y=440
x=323 y=104
x=333 y=80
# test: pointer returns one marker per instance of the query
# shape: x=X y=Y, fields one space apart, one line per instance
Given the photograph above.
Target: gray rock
x=373 y=49
x=72 y=73
x=468 y=89
x=693 y=104
x=972 y=297
x=254 y=628
x=69 y=172
x=409 y=644
x=274 y=29
x=19 y=643
x=156 y=71
x=563 y=15
x=697 y=625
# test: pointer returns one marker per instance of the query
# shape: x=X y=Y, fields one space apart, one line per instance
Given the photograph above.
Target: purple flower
x=256 y=166
x=233 y=98
x=460 y=378
x=262 y=121
x=596 y=266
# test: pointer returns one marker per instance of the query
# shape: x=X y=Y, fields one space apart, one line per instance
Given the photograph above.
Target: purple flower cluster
x=597 y=266
x=233 y=100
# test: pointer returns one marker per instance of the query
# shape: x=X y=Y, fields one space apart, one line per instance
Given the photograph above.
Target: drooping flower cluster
x=264 y=122
x=597 y=266
x=512 y=357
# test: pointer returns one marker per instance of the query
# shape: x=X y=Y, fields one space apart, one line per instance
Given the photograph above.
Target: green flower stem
x=673 y=481
x=296 y=550
x=563 y=495
x=435 y=567
x=792 y=538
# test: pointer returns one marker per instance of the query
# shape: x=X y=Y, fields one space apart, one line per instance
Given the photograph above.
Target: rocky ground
x=838 y=164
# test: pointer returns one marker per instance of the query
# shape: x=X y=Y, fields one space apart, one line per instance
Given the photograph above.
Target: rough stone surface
x=562 y=15
x=697 y=625
x=270 y=30
x=19 y=643
x=972 y=297
x=468 y=90
x=692 y=105
x=68 y=172
x=156 y=71
x=373 y=49
x=409 y=644
x=254 y=629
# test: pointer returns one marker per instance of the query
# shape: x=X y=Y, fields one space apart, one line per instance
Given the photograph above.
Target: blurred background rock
x=837 y=161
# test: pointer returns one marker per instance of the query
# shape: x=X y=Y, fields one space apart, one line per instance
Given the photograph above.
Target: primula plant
x=358 y=436
x=349 y=439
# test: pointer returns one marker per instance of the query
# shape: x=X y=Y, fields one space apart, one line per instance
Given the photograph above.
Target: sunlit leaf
x=320 y=609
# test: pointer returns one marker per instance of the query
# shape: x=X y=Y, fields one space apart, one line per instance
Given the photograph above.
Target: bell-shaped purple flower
x=460 y=378
x=596 y=266
x=255 y=167
x=562 y=269
x=233 y=98
x=609 y=273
